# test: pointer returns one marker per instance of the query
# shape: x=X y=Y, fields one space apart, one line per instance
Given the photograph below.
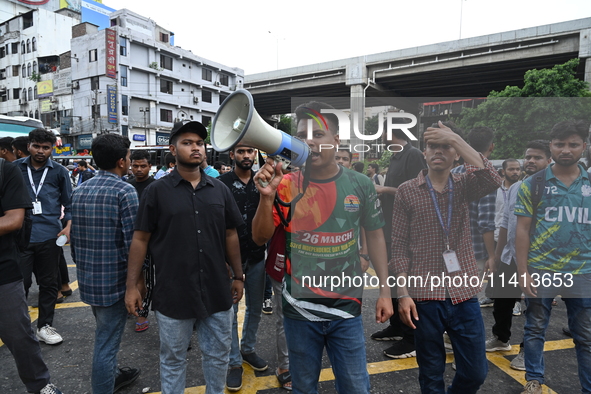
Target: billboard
x=45 y=89
x=112 y=103
x=111 y=53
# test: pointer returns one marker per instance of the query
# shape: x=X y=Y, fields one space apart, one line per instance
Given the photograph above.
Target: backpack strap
x=538 y=184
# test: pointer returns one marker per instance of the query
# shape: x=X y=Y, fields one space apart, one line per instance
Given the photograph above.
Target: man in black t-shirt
x=15 y=324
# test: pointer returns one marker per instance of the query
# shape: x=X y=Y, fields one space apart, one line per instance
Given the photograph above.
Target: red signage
x=34 y=2
x=111 y=53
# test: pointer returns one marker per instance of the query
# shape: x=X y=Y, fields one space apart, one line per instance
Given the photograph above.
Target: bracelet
x=403 y=296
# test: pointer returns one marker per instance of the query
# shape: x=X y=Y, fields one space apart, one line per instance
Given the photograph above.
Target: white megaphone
x=238 y=122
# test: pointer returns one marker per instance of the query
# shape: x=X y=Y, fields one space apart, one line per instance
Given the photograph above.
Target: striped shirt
x=104 y=209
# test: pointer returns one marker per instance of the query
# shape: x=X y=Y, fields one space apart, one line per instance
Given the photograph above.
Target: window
x=114 y=22
x=35 y=92
x=3 y=74
x=24 y=72
x=165 y=86
x=164 y=37
x=124 y=105
x=123 y=46
x=96 y=111
x=124 y=130
x=94 y=83
x=29 y=70
x=35 y=67
x=165 y=115
x=205 y=120
x=2 y=52
x=23 y=47
x=24 y=94
x=15 y=70
x=206 y=74
x=206 y=96
x=28 y=45
x=16 y=93
x=27 y=20
x=123 y=75
x=30 y=94
x=224 y=79
x=36 y=114
x=34 y=44
x=166 y=62
x=222 y=98
x=92 y=55
x=14 y=48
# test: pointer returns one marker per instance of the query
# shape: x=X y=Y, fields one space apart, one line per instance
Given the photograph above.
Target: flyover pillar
x=357 y=80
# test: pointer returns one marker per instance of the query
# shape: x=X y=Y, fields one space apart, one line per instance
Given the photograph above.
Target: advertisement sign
x=139 y=137
x=45 y=106
x=112 y=103
x=111 y=53
x=45 y=89
x=85 y=141
x=162 y=138
x=64 y=150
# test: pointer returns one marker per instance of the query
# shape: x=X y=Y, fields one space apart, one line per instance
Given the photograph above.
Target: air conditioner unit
x=2 y=87
x=76 y=85
x=195 y=100
x=216 y=83
x=21 y=101
x=53 y=99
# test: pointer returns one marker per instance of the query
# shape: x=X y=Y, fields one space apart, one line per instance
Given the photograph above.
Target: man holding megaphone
x=323 y=279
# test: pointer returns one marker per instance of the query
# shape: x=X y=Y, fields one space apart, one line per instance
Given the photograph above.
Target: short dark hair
x=83 y=163
x=218 y=165
x=41 y=136
x=303 y=112
x=107 y=149
x=481 y=138
x=6 y=143
x=346 y=148
x=543 y=145
x=375 y=167
x=566 y=128
x=506 y=162
x=141 y=155
x=21 y=143
x=169 y=158
x=358 y=166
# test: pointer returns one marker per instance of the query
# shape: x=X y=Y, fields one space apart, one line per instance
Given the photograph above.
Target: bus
x=17 y=126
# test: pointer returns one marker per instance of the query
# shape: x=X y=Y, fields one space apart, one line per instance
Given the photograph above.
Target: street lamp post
x=145 y=110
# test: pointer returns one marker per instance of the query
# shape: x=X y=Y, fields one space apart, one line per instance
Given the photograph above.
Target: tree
x=519 y=115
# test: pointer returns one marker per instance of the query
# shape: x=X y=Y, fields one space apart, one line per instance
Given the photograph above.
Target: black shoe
x=387 y=334
x=401 y=349
x=126 y=377
x=257 y=363
x=234 y=379
x=566 y=331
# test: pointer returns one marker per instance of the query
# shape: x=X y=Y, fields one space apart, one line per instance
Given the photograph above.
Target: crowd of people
x=428 y=225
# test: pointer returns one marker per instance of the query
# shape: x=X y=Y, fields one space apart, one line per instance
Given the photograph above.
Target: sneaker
x=493 y=344
x=447 y=342
x=518 y=362
x=257 y=363
x=268 y=306
x=517 y=309
x=126 y=377
x=532 y=387
x=387 y=334
x=486 y=302
x=49 y=335
x=50 y=389
x=401 y=349
x=234 y=379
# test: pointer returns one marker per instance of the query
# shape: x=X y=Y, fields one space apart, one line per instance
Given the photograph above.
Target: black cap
x=188 y=126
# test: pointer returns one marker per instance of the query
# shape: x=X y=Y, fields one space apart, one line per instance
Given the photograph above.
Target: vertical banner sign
x=112 y=103
x=111 y=53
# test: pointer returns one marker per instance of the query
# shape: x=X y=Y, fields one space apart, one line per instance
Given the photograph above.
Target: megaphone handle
x=284 y=165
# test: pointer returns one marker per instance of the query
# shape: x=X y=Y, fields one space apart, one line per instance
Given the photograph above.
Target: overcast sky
x=263 y=35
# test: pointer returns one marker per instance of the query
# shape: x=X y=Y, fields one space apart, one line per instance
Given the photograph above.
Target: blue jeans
x=214 y=334
x=254 y=288
x=465 y=327
x=110 y=323
x=578 y=309
x=345 y=345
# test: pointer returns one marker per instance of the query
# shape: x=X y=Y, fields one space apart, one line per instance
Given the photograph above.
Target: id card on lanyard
x=449 y=256
x=37 y=209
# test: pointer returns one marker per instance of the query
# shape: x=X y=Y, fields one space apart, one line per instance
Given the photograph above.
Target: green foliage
x=35 y=77
x=519 y=115
x=287 y=124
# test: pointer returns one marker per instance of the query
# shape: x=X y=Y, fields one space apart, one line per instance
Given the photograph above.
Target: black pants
x=42 y=259
x=505 y=295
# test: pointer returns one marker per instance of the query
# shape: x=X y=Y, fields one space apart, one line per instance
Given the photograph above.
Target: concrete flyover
x=470 y=67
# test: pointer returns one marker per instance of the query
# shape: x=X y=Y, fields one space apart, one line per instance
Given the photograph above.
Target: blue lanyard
x=450 y=199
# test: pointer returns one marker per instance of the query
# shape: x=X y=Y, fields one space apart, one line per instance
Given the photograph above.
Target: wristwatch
x=365 y=256
x=241 y=278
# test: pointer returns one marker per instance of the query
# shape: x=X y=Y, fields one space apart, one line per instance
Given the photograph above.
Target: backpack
x=23 y=235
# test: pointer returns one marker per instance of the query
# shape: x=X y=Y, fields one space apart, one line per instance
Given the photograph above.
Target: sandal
x=140 y=327
x=284 y=378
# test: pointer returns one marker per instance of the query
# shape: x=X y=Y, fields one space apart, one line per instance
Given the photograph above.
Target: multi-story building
x=30 y=48
x=131 y=79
